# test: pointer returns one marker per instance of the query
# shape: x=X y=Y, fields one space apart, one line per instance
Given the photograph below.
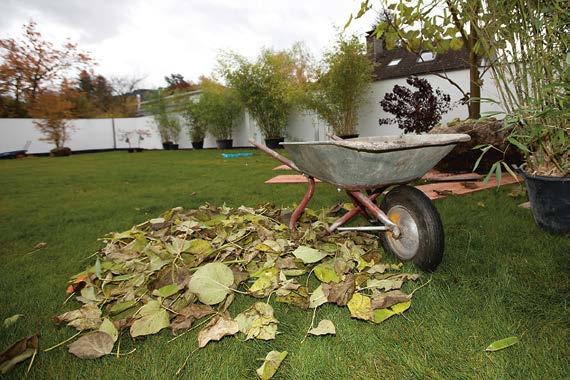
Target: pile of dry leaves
x=172 y=271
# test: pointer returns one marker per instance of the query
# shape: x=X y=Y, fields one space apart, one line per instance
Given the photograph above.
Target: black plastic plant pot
x=131 y=150
x=549 y=201
x=173 y=146
x=166 y=145
x=344 y=137
x=224 y=144
x=198 y=144
x=274 y=143
x=139 y=150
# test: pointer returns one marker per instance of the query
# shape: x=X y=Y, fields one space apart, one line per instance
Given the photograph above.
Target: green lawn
x=501 y=276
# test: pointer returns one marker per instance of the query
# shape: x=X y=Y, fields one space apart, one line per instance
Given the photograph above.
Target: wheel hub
x=406 y=245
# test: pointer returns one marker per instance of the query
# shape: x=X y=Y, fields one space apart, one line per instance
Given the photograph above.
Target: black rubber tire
x=430 y=236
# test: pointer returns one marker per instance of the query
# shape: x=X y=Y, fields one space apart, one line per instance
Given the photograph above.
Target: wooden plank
x=288 y=178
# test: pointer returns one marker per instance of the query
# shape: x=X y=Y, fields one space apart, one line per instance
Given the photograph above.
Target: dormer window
x=394 y=62
x=426 y=56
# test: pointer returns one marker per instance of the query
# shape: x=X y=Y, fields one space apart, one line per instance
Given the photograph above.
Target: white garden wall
x=92 y=134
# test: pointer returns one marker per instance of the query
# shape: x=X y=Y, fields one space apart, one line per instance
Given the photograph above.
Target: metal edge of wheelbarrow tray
x=372 y=162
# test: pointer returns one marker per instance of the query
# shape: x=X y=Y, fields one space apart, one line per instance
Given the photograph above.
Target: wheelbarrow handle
x=275 y=155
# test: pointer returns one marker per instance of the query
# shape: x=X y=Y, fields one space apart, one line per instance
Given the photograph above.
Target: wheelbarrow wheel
x=421 y=239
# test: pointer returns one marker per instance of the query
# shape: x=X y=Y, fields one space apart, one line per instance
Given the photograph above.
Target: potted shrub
x=142 y=134
x=531 y=71
x=267 y=87
x=166 y=121
x=193 y=114
x=127 y=136
x=342 y=81
x=220 y=107
x=53 y=112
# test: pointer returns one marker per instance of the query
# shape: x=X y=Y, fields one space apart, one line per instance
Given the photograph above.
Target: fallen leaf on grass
x=271 y=364
x=86 y=318
x=317 y=298
x=108 y=327
x=324 y=327
x=11 y=320
x=18 y=352
x=342 y=292
x=216 y=329
x=152 y=319
x=502 y=343
x=211 y=283
x=187 y=316
x=308 y=255
x=360 y=307
x=92 y=345
x=258 y=322
x=384 y=300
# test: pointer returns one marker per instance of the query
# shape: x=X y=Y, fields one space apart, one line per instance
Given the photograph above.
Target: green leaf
x=121 y=306
x=153 y=320
x=92 y=345
x=166 y=291
x=380 y=315
x=308 y=255
x=211 y=283
x=199 y=247
x=325 y=273
x=11 y=320
x=270 y=365
x=108 y=327
x=268 y=280
x=502 y=343
x=399 y=308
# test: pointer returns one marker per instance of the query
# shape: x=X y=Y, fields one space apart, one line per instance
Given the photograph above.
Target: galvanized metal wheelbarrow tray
x=372 y=164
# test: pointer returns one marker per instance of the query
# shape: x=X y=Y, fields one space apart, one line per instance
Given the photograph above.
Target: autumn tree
x=32 y=65
x=53 y=112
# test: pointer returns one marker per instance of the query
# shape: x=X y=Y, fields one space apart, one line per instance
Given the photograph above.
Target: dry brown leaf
x=216 y=329
x=384 y=300
x=341 y=292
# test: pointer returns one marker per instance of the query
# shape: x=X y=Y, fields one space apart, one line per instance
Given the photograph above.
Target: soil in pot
x=60 y=152
x=274 y=143
x=550 y=201
x=198 y=144
x=224 y=144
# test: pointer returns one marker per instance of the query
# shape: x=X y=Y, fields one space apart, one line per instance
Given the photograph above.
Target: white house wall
x=92 y=134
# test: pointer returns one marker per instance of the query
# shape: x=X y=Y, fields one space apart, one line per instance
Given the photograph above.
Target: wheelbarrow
x=408 y=224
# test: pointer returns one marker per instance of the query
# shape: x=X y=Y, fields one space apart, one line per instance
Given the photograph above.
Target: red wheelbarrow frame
x=363 y=204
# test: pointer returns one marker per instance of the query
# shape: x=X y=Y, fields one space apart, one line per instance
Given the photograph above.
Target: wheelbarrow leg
x=299 y=210
x=352 y=213
x=376 y=212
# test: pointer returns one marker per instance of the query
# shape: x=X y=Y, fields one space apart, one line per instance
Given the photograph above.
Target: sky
x=152 y=39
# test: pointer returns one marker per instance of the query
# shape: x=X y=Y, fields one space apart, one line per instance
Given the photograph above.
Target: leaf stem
x=62 y=343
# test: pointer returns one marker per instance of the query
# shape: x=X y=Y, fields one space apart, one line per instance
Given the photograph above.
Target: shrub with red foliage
x=415 y=111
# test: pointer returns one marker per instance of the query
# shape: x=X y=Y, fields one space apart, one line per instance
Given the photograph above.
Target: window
x=394 y=62
x=426 y=56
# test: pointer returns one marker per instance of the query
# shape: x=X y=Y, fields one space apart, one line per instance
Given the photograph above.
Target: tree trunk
x=474 y=79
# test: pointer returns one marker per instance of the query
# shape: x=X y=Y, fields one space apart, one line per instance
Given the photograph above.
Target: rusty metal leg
x=352 y=213
x=299 y=210
x=376 y=212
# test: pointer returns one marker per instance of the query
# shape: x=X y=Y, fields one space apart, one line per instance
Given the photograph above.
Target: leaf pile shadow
x=172 y=271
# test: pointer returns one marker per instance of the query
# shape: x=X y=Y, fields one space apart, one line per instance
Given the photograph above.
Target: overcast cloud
x=155 y=38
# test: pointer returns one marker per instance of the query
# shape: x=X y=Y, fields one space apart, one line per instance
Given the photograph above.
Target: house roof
x=409 y=65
